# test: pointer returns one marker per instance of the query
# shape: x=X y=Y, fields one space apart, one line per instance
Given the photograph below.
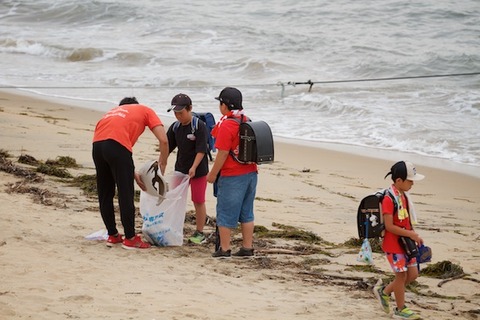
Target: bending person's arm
x=159 y=132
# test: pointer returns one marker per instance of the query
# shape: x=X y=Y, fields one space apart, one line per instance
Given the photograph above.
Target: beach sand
x=50 y=271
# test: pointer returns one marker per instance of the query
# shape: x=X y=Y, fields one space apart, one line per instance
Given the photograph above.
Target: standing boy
x=190 y=136
x=113 y=141
x=237 y=182
x=397 y=216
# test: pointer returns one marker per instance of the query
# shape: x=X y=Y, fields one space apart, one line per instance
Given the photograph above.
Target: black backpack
x=256 y=142
x=369 y=215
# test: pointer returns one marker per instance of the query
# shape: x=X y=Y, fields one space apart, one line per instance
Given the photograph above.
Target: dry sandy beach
x=50 y=271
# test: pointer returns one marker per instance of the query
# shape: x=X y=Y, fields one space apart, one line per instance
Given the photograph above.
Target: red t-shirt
x=390 y=241
x=125 y=124
x=227 y=138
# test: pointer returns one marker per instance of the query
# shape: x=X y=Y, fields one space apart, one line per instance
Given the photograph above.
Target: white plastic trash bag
x=163 y=223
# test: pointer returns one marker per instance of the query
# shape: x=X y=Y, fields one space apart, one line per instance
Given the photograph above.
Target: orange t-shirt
x=125 y=124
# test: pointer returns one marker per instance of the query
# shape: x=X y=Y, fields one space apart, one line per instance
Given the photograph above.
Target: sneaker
x=243 y=253
x=382 y=297
x=198 y=237
x=405 y=313
x=135 y=243
x=112 y=240
x=222 y=254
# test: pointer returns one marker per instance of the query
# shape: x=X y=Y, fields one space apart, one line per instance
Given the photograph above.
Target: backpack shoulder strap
x=234 y=119
x=194 y=124
x=176 y=125
x=389 y=194
x=395 y=205
x=241 y=120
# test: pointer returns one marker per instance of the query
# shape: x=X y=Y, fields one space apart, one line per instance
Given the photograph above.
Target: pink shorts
x=399 y=262
x=198 y=187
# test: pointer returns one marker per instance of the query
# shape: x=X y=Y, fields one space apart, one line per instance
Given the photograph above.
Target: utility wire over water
x=311 y=83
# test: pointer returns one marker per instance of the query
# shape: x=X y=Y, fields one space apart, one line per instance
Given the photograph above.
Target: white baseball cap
x=412 y=172
x=406 y=171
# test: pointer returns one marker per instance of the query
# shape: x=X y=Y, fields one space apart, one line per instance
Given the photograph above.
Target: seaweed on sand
x=442 y=270
x=63 y=161
x=9 y=167
x=40 y=195
x=87 y=183
x=27 y=159
x=53 y=170
x=375 y=243
x=288 y=232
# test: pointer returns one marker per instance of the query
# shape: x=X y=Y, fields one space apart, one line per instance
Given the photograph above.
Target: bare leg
x=225 y=234
x=200 y=215
x=412 y=274
x=397 y=286
x=247 y=234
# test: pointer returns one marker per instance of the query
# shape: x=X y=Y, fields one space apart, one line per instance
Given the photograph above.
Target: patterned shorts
x=399 y=262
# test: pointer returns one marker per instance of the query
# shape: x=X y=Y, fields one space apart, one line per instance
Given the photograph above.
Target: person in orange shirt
x=113 y=140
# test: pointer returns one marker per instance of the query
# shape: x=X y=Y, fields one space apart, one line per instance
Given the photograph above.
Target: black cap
x=179 y=102
x=232 y=97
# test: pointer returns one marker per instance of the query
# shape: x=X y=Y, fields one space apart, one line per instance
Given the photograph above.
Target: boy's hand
x=191 y=172
x=415 y=237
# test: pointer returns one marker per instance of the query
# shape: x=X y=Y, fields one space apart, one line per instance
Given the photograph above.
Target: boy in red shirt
x=399 y=223
x=237 y=182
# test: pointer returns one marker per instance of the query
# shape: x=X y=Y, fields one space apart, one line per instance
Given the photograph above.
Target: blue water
x=96 y=52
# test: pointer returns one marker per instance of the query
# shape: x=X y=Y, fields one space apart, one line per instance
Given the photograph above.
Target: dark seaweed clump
x=442 y=270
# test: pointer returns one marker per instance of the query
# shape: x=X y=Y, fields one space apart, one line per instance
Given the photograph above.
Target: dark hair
x=398 y=170
x=128 y=100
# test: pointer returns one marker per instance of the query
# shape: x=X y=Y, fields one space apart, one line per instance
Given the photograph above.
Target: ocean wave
x=35 y=48
x=133 y=58
x=69 y=12
x=465 y=104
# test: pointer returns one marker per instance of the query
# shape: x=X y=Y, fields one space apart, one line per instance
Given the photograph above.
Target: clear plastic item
x=365 y=254
x=98 y=235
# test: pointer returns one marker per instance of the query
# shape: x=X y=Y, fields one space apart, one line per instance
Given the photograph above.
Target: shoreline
x=391 y=155
x=364 y=151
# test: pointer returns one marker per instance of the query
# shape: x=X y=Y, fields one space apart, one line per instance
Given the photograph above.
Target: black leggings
x=114 y=166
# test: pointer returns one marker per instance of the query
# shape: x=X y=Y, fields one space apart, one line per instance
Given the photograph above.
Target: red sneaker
x=135 y=243
x=112 y=240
